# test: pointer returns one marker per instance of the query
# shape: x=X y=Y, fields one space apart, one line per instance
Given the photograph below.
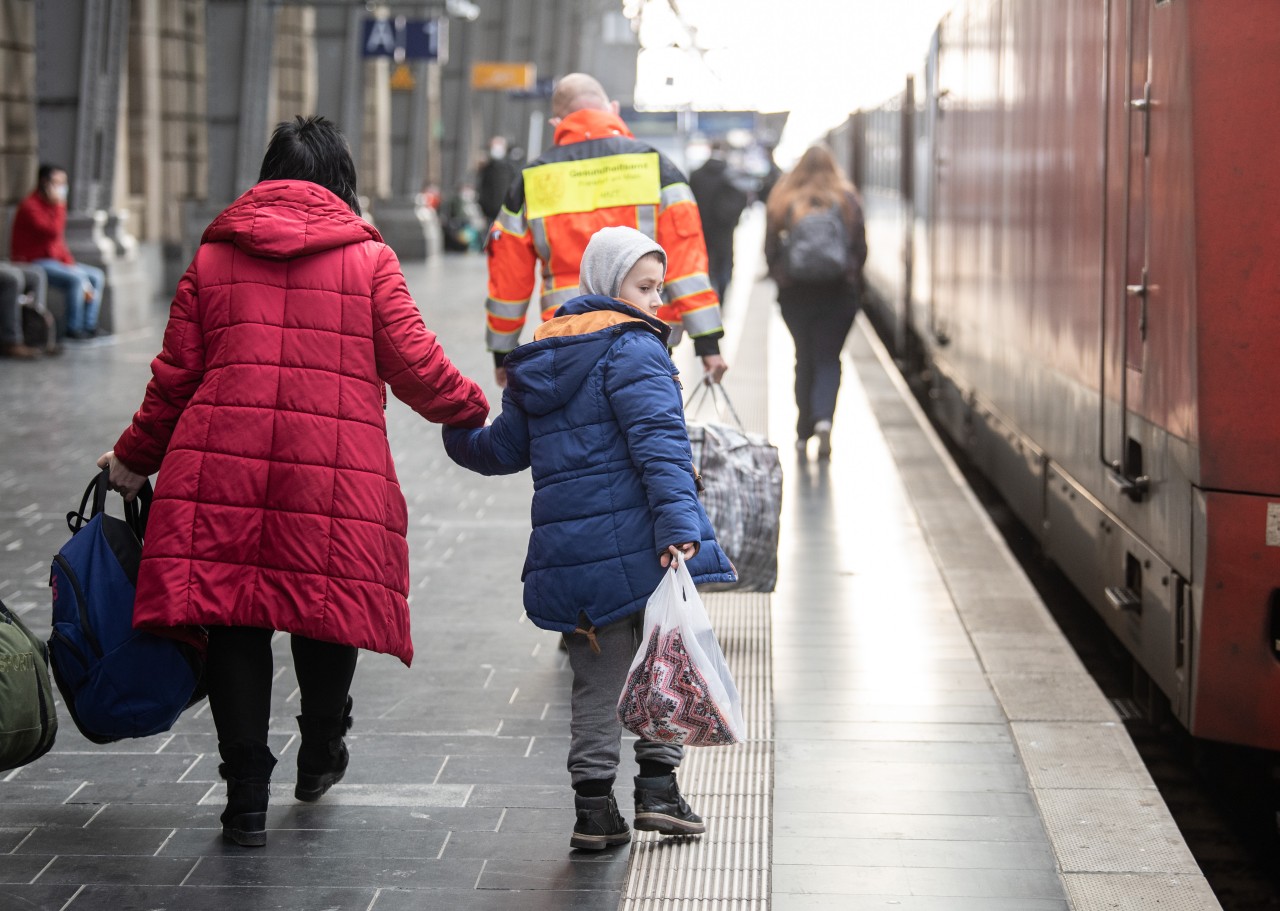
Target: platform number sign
x=406 y=39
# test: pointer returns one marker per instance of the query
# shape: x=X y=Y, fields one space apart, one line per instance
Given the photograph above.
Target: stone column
x=408 y=226
x=239 y=39
x=80 y=57
x=239 y=42
x=146 y=148
x=341 y=80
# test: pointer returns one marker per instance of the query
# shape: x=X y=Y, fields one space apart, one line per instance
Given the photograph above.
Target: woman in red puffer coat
x=278 y=507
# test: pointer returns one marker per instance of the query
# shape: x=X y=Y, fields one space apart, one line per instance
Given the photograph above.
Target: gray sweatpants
x=595 y=736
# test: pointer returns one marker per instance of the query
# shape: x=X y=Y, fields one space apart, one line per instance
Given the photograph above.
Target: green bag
x=28 y=721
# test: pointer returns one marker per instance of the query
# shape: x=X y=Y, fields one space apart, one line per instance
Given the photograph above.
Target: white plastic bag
x=679 y=689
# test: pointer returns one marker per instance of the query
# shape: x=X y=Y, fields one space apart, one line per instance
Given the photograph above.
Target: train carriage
x=1073 y=213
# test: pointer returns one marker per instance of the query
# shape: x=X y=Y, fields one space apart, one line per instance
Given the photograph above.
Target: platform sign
x=503 y=76
x=402 y=79
x=406 y=39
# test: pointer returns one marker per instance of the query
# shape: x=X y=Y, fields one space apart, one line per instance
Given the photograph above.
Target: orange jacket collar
x=584 y=324
x=589 y=124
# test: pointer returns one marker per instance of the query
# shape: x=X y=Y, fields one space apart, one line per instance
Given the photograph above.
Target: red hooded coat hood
x=283 y=219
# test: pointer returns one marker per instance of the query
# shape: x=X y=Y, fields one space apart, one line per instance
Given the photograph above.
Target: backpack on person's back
x=815 y=248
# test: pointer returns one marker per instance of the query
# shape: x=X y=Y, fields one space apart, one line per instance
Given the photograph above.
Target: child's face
x=642 y=288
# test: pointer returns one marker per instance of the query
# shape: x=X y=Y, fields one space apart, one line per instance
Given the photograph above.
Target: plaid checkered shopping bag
x=742 y=492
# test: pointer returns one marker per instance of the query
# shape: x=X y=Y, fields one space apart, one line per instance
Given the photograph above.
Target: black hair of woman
x=314 y=149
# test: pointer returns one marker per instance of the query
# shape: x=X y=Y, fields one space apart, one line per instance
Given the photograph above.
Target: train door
x=1127 y=273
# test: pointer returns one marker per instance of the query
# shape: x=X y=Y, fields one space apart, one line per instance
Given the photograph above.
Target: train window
x=1182 y=609
x=1133 y=458
x=1133 y=580
x=1275 y=622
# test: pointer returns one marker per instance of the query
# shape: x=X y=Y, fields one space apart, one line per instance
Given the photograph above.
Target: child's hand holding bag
x=679 y=689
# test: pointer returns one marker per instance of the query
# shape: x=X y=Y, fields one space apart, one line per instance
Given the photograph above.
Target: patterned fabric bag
x=679 y=689
x=741 y=492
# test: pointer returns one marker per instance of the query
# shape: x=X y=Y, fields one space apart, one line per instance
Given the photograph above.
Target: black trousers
x=238 y=671
x=819 y=318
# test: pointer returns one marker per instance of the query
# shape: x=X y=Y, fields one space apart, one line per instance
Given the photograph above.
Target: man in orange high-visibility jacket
x=597 y=175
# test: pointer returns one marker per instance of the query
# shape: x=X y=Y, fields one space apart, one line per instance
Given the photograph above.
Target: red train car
x=1074 y=223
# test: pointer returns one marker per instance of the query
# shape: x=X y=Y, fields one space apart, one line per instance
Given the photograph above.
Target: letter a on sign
x=380 y=41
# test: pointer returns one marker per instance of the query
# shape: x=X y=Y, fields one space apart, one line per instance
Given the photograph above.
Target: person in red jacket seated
x=278 y=507
x=39 y=237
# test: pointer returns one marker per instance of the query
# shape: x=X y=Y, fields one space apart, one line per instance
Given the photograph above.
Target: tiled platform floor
x=916 y=764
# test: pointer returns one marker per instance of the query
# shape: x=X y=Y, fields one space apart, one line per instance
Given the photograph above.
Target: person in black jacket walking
x=720 y=203
x=494 y=179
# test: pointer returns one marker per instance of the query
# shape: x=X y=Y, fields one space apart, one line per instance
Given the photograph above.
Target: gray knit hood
x=609 y=256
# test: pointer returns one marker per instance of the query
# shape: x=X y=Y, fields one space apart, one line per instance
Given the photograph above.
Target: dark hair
x=46 y=172
x=312 y=148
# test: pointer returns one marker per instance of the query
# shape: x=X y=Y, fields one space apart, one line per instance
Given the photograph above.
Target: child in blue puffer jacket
x=593 y=407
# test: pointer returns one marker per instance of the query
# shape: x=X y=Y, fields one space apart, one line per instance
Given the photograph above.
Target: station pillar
x=81 y=48
x=239 y=36
x=340 y=77
x=407 y=225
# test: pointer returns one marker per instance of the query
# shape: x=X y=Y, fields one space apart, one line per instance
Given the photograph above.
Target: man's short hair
x=578 y=92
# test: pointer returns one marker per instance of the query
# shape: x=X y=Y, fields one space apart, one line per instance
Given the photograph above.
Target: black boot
x=599 y=824
x=246 y=766
x=322 y=757
x=661 y=808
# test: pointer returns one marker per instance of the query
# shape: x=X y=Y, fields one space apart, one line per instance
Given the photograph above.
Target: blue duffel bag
x=116 y=681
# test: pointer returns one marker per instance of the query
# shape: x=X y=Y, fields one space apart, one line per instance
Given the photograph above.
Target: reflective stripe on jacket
x=597 y=175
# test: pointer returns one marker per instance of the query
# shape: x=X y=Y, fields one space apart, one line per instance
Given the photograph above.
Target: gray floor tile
x=1040 y=885
x=41 y=793
x=95 y=840
x=793 y=712
x=532 y=796
x=471 y=769
x=570 y=874
x=184 y=793
x=21 y=868
x=795 y=732
x=550 y=822
x=35 y=898
x=916 y=776
x=542 y=846
x=120 y=767
x=831 y=902
x=904 y=852
x=197 y=898
x=252 y=868
x=313 y=842
x=110 y=869
x=496 y=900
x=918 y=826
x=843 y=798
x=897 y=752
x=27 y=816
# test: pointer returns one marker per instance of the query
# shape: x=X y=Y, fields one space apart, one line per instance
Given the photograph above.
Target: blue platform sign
x=405 y=39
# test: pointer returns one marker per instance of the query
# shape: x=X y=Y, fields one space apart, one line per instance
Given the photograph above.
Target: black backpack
x=816 y=247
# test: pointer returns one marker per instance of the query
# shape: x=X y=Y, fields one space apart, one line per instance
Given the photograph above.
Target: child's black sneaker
x=661 y=808
x=599 y=824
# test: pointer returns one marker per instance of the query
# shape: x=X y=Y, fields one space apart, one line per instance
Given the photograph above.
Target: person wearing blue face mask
x=39 y=237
